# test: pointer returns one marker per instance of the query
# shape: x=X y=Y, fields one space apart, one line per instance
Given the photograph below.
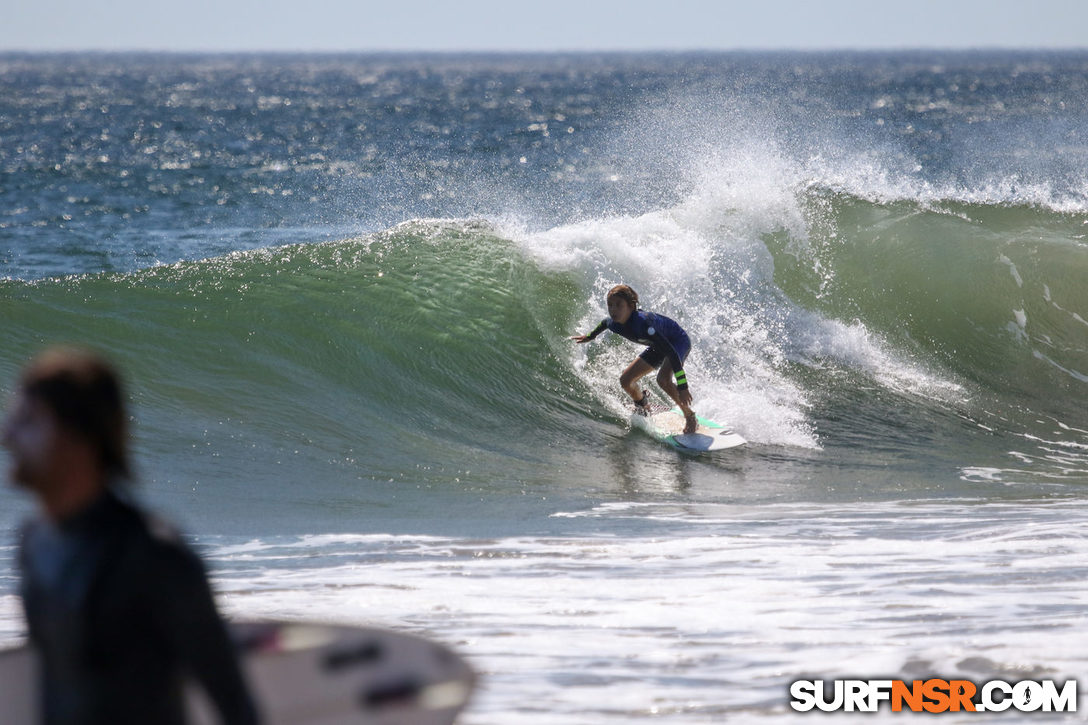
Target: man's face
x=34 y=439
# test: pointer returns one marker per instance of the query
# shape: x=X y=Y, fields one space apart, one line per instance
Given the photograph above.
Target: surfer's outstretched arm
x=596 y=331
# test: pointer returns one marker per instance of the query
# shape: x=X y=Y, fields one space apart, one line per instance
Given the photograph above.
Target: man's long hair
x=85 y=393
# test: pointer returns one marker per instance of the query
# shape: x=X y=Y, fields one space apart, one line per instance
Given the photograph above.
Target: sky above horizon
x=559 y=25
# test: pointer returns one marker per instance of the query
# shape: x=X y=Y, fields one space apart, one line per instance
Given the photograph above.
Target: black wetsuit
x=664 y=336
x=119 y=609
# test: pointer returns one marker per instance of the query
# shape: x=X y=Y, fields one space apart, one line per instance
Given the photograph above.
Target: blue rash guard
x=665 y=337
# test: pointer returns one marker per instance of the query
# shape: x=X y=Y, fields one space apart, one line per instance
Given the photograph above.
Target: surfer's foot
x=642 y=407
x=690 y=423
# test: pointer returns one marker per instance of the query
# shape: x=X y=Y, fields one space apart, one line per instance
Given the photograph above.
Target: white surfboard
x=667 y=426
x=310 y=674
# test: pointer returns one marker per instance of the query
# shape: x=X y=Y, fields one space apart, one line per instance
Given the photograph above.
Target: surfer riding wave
x=668 y=347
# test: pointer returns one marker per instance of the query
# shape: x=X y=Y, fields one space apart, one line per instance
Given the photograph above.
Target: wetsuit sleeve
x=598 y=329
x=199 y=635
x=662 y=343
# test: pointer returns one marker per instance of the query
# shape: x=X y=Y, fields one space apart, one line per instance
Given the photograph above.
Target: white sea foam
x=710 y=621
x=713 y=620
x=705 y=263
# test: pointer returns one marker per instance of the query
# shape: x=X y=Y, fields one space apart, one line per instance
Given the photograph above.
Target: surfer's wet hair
x=85 y=394
x=625 y=293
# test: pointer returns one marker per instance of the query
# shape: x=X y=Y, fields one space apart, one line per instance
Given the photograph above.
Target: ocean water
x=341 y=288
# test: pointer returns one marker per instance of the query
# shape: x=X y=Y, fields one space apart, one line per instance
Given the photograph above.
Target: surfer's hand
x=685 y=398
x=580 y=338
x=690 y=422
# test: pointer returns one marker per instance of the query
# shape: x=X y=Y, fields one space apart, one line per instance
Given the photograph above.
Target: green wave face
x=403 y=354
x=994 y=294
x=437 y=351
x=404 y=319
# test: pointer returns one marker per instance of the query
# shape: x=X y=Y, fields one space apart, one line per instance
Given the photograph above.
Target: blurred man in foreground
x=117 y=606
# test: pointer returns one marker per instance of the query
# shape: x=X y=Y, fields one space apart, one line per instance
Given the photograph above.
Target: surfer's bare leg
x=630 y=377
x=682 y=398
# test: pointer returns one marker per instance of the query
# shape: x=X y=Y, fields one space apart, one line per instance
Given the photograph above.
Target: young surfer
x=668 y=348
